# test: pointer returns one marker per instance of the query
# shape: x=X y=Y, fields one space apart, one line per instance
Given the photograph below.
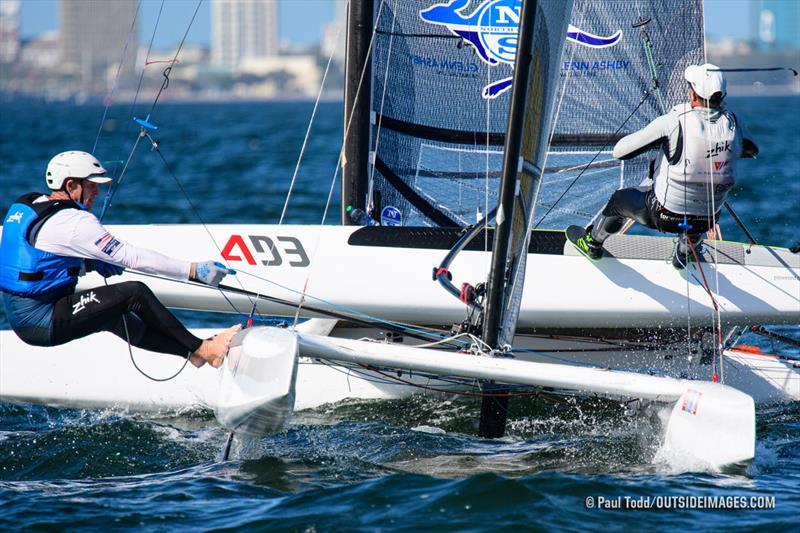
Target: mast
x=357 y=89
x=539 y=46
x=494 y=409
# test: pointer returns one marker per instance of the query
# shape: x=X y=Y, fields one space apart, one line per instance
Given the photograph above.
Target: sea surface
x=405 y=465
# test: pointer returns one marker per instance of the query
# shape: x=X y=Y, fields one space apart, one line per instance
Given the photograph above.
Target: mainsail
x=607 y=91
x=441 y=75
x=440 y=97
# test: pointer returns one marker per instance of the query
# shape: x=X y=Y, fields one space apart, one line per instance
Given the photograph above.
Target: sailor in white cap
x=700 y=142
x=49 y=240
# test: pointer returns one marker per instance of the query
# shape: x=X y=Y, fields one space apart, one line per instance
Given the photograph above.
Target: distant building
x=776 y=24
x=42 y=53
x=93 y=36
x=9 y=30
x=334 y=34
x=243 y=30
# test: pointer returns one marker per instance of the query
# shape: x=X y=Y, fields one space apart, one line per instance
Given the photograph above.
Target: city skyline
x=301 y=21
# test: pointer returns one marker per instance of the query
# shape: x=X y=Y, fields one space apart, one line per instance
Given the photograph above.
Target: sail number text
x=271 y=252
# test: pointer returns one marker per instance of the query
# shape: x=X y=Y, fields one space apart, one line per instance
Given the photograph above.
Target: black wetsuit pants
x=643 y=207
x=150 y=325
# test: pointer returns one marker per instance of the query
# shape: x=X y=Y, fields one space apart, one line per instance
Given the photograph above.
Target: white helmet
x=74 y=164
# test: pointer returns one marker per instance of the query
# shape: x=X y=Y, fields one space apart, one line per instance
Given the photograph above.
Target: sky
x=301 y=20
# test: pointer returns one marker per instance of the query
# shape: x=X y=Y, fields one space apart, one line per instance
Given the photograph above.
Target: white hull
x=343 y=275
x=255 y=390
x=562 y=289
x=96 y=372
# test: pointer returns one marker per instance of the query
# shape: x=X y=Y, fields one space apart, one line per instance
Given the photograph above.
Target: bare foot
x=214 y=350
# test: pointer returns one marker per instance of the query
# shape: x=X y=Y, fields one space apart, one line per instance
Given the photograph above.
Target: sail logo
x=492 y=30
x=391 y=216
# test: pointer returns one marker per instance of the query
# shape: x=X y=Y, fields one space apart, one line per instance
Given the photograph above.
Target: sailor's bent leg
x=624 y=203
x=102 y=309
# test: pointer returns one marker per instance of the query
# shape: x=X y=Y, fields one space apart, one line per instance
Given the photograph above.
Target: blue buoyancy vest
x=24 y=269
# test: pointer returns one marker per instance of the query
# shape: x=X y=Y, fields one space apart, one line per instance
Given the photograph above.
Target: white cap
x=706 y=80
x=74 y=164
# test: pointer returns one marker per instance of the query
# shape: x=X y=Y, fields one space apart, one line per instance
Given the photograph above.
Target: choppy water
x=403 y=465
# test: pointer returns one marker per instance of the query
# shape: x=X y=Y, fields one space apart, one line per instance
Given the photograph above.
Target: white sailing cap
x=706 y=80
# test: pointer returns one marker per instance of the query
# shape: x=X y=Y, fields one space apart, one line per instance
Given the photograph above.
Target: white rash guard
x=76 y=233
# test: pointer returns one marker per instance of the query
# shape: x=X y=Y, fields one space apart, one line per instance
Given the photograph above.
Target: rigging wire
x=596 y=155
x=308 y=130
x=144 y=126
x=147 y=58
x=109 y=97
x=168 y=70
x=339 y=160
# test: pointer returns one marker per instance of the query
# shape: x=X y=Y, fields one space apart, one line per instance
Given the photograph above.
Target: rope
x=717 y=326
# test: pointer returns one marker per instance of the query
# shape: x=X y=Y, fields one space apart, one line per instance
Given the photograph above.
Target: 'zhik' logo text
x=719 y=148
x=85 y=300
x=492 y=30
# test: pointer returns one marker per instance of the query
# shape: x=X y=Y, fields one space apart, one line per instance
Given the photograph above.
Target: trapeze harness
x=42 y=307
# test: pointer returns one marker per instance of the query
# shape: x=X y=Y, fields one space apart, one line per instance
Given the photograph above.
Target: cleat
x=582 y=240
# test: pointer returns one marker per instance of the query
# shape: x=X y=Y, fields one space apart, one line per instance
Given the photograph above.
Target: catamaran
x=475 y=131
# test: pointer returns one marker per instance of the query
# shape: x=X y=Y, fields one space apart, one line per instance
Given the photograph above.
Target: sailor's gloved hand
x=104 y=269
x=211 y=272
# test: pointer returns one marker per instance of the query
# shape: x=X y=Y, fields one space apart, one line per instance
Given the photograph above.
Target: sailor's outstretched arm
x=77 y=233
x=654 y=135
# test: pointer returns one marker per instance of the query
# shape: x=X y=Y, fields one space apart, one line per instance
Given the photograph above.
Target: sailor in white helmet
x=701 y=142
x=49 y=240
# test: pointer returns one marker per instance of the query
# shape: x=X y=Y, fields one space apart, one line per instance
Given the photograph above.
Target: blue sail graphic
x=492 y=30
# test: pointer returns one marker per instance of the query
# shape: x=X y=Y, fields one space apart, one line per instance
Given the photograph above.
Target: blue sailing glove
x=211 y=272
x=104 y=269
